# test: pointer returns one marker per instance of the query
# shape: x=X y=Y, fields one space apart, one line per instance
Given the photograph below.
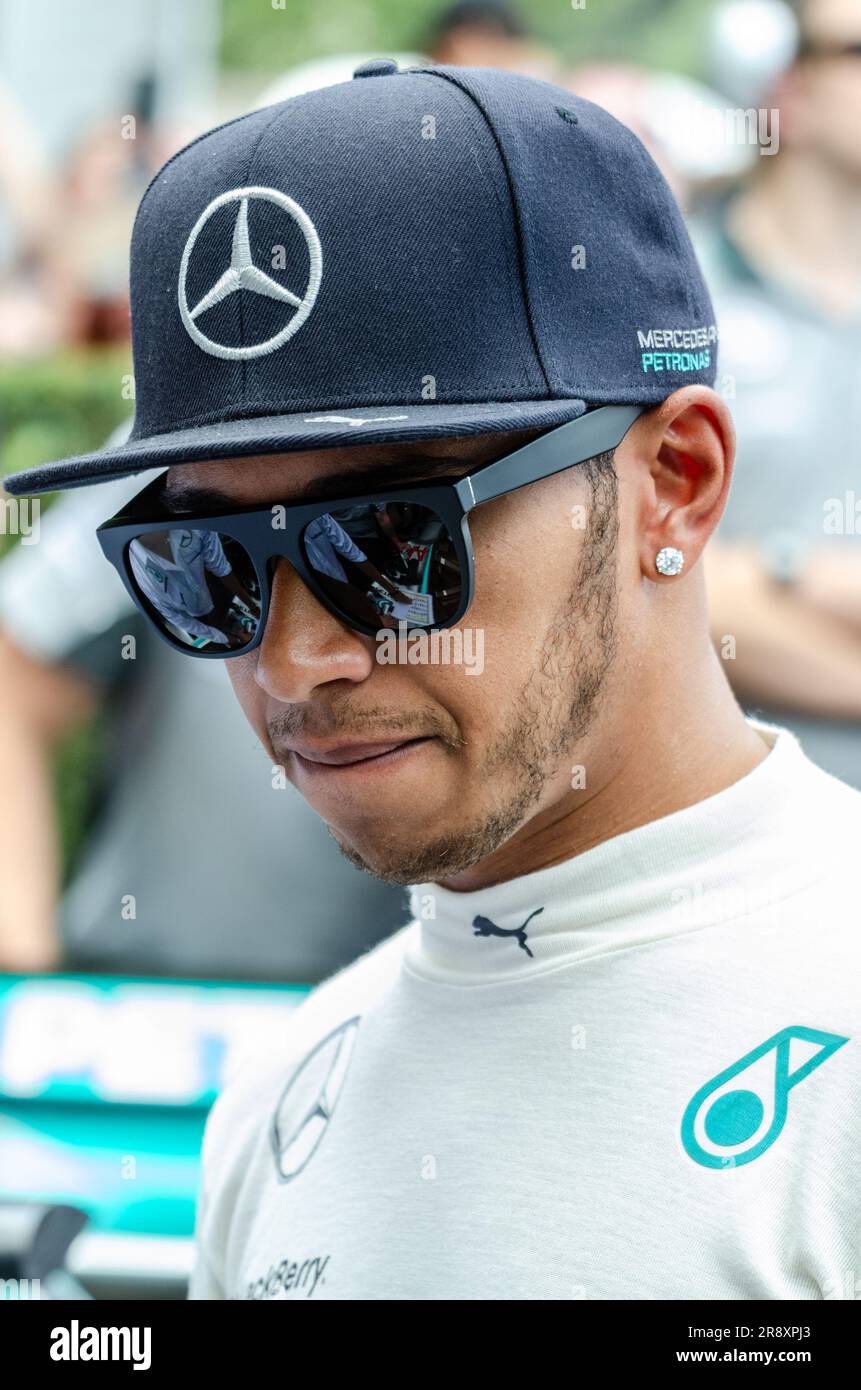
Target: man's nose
x=304 y=645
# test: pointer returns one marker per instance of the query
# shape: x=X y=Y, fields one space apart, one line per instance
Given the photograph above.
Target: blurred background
x=147 y=850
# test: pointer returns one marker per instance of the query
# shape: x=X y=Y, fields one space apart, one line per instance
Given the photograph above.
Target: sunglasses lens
x=382 y=563
x=200 y=587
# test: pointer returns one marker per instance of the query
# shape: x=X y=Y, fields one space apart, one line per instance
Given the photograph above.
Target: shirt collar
x=734 y=852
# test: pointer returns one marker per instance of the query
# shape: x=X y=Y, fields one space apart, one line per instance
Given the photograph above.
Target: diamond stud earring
x=669 y=560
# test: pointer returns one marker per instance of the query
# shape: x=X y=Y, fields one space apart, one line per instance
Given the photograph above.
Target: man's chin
x=393 y=861
x=429 y=859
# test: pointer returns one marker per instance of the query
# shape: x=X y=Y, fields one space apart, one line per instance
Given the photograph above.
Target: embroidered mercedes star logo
x=243 y=274
x=308 y=1100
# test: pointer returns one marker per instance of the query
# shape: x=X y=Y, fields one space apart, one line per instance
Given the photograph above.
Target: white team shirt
x=634 y=1075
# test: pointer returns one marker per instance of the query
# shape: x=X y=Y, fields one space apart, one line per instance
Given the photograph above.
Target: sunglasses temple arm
x=558 y=449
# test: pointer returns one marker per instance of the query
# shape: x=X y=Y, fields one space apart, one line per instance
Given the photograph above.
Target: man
x=614 y=1052
x=783 y=262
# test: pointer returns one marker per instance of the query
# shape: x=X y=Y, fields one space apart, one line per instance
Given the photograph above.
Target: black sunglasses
x=375 y=560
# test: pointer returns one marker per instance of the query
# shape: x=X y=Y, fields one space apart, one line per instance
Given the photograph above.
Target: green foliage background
x=272 y=35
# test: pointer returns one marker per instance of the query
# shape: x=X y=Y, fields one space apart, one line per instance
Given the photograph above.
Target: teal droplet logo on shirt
x=726 y=1125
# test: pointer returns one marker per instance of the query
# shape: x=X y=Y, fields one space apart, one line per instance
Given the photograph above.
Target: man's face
x=422 y=770
x=831 y=81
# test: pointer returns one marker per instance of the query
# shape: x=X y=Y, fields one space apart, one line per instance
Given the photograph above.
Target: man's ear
x=680 y=455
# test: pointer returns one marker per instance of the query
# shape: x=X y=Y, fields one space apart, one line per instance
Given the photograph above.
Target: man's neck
x=800 y=223
x=691 y=742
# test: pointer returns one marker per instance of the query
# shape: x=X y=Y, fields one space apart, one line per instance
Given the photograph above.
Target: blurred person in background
x=64 y=233
x=109 y=168
x=783 y=259
x=33 y=308
x=490 y=34
x=485 y=33
x=197 y=843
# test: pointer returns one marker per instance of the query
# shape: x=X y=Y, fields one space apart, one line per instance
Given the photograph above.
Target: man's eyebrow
x=181 y=496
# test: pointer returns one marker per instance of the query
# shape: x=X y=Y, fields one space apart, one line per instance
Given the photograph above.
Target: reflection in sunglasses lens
x=385 y=562
x=201 y=586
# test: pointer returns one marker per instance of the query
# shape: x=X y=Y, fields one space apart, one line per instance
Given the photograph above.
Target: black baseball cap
x=414 y=254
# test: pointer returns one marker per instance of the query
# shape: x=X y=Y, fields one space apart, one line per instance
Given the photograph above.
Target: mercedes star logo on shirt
x=303 y=1113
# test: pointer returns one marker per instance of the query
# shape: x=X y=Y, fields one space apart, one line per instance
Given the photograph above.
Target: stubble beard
x=555 y=709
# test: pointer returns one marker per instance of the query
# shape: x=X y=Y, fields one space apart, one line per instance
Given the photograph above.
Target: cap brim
x=275 y=434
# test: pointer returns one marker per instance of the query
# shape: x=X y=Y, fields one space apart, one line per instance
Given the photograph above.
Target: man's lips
x=346 y=754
